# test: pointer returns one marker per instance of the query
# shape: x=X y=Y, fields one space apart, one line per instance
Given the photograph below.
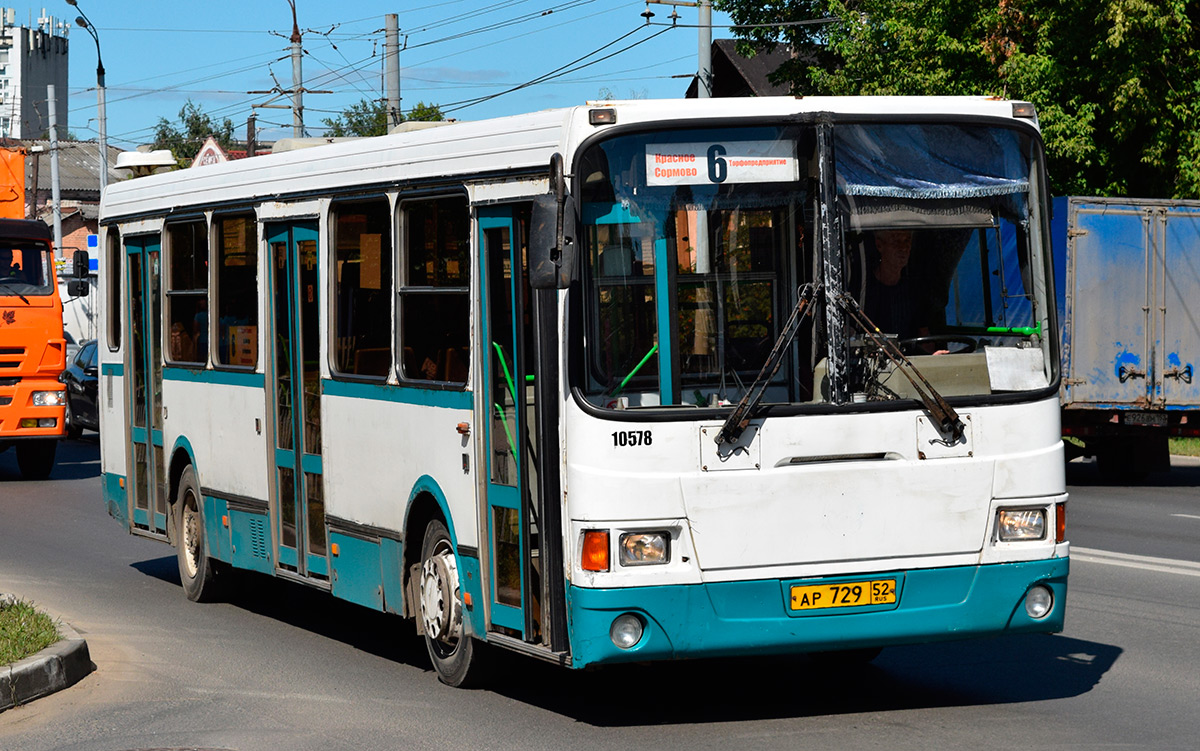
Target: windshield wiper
x=738 y=421
x=937 y=407
x=7 y=282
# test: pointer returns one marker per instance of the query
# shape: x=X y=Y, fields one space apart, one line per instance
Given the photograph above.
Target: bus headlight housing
x=49 y=398
x=1015 y=525
x=1038 y=602
x=645 y=548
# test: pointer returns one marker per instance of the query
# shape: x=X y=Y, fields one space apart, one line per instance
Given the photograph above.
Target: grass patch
x=24 y=631
x=1185 y=446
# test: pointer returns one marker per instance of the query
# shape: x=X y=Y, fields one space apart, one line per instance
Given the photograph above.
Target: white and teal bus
x=630 y=381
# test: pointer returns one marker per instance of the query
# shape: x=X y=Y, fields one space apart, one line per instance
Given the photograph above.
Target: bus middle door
x=298 y=502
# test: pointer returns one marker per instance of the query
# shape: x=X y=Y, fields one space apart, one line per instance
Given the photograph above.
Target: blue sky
x=157 y=55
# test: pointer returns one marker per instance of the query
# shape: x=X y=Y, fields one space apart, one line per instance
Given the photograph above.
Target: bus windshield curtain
x=929 y=161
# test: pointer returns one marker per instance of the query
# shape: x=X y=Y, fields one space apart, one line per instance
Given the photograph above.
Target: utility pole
x=297 y=77
x=704 y=58
x=391 y=61
x=704 y=39
x=251 y=135
x=55 y=197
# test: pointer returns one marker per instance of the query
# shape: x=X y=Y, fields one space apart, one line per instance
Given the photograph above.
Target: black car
x=80 y=378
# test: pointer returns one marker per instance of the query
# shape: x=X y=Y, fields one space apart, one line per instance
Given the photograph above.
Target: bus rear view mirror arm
x=551 y=237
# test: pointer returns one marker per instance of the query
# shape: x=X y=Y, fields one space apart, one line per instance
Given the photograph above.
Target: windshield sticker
x=724 y=162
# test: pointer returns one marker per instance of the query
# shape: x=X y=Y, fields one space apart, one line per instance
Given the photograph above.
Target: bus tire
x=197 y=571
x=457 y=657
x=36 y=458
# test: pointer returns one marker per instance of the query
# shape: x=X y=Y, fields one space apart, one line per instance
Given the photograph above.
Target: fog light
x=645 y=548
x=1021 y=524
x=1038 y=602
x=47 y=422
x=626 y=631
x=49 y=398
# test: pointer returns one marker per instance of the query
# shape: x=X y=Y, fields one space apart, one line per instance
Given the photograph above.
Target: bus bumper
x=754 y=618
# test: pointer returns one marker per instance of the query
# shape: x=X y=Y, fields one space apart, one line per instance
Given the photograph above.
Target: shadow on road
x=996 y=671
x=73 y=460
x=991 y=671
x=310 y=609
x=1086 y=473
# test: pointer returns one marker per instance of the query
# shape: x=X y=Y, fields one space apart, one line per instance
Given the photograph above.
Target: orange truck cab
x=32 y=347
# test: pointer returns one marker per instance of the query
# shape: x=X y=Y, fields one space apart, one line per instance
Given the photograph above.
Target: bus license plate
x=844 y=594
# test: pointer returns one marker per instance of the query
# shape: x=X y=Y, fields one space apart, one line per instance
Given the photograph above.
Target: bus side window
x=237 y=290
x=115 y=270
x=435 y=303
x=362 y=240
x=187 y=293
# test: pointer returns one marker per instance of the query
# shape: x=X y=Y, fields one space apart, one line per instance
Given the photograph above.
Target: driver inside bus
x=889 y=301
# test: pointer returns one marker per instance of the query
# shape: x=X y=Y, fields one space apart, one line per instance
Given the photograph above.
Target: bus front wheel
x=456 y=656
x=196 y=570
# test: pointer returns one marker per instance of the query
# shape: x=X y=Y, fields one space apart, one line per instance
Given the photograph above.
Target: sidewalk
x=56 y=667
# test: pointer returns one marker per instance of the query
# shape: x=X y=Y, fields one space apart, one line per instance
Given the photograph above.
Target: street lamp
x=85 y=24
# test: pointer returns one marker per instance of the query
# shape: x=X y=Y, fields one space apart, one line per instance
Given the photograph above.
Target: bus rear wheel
x=457 y=657
x=197 y=571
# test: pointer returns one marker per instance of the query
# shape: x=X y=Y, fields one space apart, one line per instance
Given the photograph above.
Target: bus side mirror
x=551 y=239
x=78 y=285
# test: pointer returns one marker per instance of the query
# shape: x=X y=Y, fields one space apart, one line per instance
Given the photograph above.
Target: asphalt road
x=283 y=667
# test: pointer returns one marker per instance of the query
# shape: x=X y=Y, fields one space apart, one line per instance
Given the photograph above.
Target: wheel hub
x=440 y=609
x=191 y=539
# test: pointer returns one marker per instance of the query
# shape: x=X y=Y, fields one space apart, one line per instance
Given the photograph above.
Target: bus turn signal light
x=1060 y=522
x=595 y=550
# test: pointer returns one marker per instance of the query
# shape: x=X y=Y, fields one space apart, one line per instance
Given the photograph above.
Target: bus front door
x=298 y=491
x=148 y=494
x=508 y=402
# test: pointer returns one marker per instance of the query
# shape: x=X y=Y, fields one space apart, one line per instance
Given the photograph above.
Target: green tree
x=370 y=118
x=1116 y=82
x=185 y=138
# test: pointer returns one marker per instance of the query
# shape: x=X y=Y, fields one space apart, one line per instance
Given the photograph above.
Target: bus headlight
x=645 y=548
x=49 y=398
x=1014 y=525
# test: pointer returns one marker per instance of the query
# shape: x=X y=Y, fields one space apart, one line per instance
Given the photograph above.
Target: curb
x=56 y=667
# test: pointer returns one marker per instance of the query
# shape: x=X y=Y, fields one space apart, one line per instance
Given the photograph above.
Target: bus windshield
x=25 y=269
x=698 y=243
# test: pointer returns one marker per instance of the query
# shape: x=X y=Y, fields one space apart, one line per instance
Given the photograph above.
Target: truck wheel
x=36 y=458
x=456 y=656
x=197 y=571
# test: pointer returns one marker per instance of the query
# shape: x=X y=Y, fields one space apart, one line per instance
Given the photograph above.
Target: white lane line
x=1144 y=562
x=1186 y=516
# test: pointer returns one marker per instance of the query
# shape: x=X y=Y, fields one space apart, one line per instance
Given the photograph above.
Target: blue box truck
x=1128 y=273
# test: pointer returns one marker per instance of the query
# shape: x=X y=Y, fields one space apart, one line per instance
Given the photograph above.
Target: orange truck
x=32 y=347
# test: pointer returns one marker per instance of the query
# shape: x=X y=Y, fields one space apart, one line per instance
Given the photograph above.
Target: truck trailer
x=1129 y=304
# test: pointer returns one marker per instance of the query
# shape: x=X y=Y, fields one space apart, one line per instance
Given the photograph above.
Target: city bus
x=628 y=381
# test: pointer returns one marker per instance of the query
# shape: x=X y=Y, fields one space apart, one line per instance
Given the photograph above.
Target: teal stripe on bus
x=112 y=369
x=217 y=377
x=442 y=398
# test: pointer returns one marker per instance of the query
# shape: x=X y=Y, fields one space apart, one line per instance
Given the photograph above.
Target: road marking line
x=1186 y=516
x=1144 y=562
